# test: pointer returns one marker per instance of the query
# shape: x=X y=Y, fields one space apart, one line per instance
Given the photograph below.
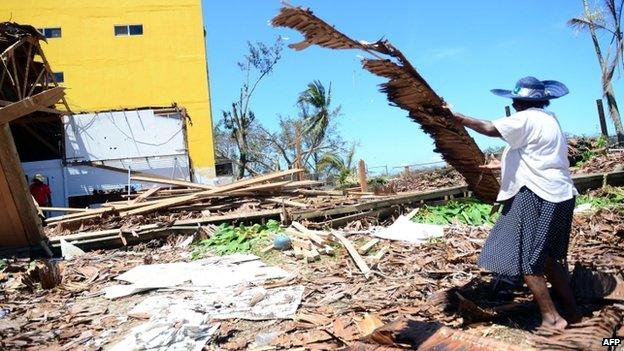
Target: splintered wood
x=405 y=88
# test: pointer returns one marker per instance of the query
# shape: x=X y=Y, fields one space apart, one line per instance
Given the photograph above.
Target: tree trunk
x=614 y=111
x=242 y=164
x=607 y=87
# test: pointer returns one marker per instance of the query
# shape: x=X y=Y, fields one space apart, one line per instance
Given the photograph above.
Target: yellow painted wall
x=102 y=71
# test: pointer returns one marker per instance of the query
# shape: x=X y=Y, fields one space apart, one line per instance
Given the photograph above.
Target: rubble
x=608 y=162
x=434 y=285
x=424 y=180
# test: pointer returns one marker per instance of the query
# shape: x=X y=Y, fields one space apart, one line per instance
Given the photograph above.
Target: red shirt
x=40 y=192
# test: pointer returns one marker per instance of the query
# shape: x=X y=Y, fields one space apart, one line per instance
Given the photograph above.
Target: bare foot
x=574 y=318
x=552 y=325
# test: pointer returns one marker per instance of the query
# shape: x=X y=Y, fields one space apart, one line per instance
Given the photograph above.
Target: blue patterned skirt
x=529 y=230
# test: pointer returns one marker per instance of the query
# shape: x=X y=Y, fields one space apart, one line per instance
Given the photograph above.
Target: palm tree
x=315 y=104
x=593 y=20
x=341 y=164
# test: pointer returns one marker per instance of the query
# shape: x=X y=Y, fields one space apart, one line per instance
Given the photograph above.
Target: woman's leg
x=558 y=276
x=550 y=316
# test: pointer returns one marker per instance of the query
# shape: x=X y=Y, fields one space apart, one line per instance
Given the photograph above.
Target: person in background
x=40 y=190
x=531 y=237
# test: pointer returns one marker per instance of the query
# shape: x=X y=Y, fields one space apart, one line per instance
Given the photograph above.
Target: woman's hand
x=459 y=118
x=492 y=163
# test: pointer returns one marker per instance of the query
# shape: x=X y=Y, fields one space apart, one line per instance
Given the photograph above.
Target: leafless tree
x=239 y=121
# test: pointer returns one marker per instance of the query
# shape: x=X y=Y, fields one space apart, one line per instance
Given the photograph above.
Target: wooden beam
x=218 y=190
x=29 y=58
x=359 y=261
x=64 y=209
x=175 y=182
x=145 y=195
x=369 y=245
x=30 y=104
x=18 y=198
x=362 y=176
x=42 y=109
x=17 y=85
x=286 y=202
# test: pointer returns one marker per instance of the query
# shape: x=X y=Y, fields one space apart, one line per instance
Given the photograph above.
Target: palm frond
x=581 y=24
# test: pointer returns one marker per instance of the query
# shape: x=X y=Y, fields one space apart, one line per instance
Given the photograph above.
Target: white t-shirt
x=537 y=156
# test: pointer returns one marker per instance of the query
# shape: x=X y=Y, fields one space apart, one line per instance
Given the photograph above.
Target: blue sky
x=462 y=48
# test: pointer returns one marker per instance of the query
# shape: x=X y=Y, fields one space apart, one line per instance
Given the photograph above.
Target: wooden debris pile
x=425 y=180
x=70 y=315
x=266 y=196
x=436 y=289
x=405 y=88
x=601 y=235
x=160 y=210
x=602 y=163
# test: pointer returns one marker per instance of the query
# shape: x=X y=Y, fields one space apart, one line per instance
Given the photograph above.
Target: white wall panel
x=122 y=134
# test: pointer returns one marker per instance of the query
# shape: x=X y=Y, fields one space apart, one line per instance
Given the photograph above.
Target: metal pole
x=601 y=117
x=507 y=111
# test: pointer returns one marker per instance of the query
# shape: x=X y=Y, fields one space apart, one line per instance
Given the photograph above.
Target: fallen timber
x=333 y=216
x=406 y=89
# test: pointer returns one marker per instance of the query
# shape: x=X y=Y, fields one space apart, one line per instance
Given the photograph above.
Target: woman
x=531 y=236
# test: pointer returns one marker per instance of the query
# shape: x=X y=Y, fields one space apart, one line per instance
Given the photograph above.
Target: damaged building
x=126 y=55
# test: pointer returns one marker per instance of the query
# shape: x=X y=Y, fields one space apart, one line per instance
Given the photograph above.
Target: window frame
x=43 y=31
x=60 y=74
x=128 y=31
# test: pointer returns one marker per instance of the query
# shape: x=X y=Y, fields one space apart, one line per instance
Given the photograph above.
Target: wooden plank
x=64 y=209
x=221 y=189
x=402 y=199
x=311 y=255
x=359 y=261
x=175 y=182
x=41 y=109
x=262 y=187
x=185 y=222
x=362 y=176
x=309 y=233
x=18 y=190
x=316 y=192
x=584 y=182
x=12 y=232
x=31 y=104
x=298 y=252
x=145 y=195
x=303 y=184
x=369 y=245
x=286 y=202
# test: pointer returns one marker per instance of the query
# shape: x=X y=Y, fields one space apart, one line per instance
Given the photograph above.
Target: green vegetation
x=3 y=264
x=605 y=197
x=378 y=181
x=468 y=211
x=228 y=239
x=598 y=148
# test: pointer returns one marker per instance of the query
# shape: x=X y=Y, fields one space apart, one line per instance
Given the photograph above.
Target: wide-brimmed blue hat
x=531 y=88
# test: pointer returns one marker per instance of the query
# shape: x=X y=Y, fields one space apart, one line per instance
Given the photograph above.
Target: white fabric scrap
x=69 y=251
x=404 y=229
